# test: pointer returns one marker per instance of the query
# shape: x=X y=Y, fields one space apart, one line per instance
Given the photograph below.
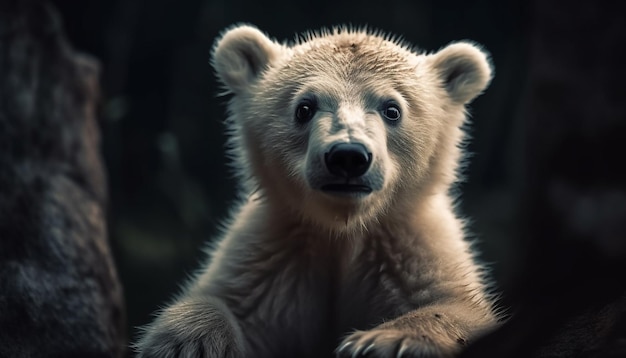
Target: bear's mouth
x=339 y=189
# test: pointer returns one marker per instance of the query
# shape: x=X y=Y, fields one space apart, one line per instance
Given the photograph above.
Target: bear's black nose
x=348 y=160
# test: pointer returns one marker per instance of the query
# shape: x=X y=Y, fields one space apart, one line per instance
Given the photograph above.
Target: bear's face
x=344 y=126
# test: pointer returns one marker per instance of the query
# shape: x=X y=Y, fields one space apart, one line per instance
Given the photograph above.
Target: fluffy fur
x=303 y=272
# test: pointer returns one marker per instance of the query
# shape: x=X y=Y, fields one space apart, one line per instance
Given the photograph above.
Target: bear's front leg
x=433 y=331
x=198 y=327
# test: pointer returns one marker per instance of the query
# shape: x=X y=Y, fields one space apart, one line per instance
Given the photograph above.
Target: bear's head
x=346 y=127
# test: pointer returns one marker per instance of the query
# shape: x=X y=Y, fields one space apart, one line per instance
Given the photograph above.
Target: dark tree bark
x=59 y=291
x=572 y=293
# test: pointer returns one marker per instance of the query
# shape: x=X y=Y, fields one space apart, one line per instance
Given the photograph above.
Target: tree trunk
x=59 y=291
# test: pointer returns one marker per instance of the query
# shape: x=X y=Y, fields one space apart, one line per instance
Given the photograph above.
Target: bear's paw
x=395 y=343
x=193 y=329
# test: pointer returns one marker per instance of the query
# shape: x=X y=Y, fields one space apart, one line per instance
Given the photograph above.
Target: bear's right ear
x=240 y=56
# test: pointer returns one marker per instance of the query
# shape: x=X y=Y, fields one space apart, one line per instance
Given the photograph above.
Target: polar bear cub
x=346 y=241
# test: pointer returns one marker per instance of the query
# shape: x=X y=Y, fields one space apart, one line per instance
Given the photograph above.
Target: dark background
x=163 y=133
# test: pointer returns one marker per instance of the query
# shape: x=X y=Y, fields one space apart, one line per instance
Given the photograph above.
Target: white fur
x=298 y=269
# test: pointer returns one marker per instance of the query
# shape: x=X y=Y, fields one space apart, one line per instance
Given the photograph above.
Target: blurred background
x=163 y=132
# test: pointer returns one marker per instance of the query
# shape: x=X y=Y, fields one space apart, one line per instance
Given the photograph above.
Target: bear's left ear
x=464 y=69
x=241 y=55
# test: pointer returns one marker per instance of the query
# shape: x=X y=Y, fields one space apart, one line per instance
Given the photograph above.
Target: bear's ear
x=240 y=56
x=464 y=69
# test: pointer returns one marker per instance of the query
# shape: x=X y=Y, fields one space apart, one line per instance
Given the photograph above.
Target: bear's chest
x=309 y=299
x=370 y=289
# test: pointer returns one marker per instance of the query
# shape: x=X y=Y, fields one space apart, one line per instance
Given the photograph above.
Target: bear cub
x=346 y=242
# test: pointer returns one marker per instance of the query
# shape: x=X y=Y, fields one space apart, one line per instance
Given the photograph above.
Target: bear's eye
x=305 y=111
x=391 y=112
